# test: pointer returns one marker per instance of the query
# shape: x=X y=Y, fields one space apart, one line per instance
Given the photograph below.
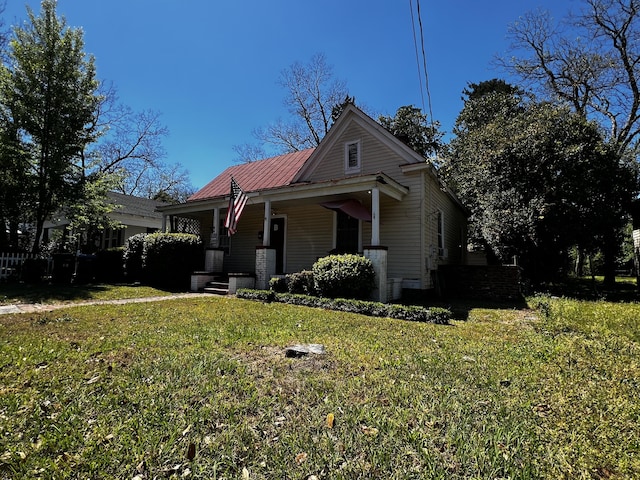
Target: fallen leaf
x=330 y=420
x=542 y=409
x=245 y=473
x=93 y=380
x=186 y=430
x=373 y=431
x=186 y=473
x=301 y=458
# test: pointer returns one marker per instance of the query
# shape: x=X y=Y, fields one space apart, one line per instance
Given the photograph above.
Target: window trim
x=358 y=167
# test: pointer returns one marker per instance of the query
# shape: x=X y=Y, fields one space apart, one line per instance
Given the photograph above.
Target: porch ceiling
x=306 y=193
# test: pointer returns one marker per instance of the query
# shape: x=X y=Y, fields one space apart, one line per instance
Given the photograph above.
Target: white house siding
x=374 y=157
x=242 y=257
x=400 y=231
x=436 y=199
x=309 y=236
x=131 y=230
x=400 y=221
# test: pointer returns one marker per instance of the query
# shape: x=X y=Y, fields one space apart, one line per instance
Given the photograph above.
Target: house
x=362 y=190
x=134 y=214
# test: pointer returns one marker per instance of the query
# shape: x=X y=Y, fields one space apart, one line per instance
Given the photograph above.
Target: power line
x=415 y=44
x=424 y=61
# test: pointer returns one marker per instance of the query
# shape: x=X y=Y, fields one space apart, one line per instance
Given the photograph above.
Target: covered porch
x=286 y=229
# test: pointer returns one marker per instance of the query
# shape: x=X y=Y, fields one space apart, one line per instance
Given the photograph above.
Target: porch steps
x=218 y=288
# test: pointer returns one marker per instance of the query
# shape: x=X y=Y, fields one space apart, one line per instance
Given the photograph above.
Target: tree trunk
x=609 y=252
x=579 y=265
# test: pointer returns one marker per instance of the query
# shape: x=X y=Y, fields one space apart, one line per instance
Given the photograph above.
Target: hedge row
x=163 y=259
x=440 y=316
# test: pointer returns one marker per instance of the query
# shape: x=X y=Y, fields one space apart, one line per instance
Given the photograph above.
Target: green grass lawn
x=202 y=389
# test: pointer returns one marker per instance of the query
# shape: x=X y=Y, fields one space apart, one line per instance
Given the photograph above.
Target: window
x=112 y=238
x=352 y=157
x=347 y=233
x=442 y=252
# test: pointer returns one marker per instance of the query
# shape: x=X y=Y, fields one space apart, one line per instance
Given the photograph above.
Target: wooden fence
x=10 y=263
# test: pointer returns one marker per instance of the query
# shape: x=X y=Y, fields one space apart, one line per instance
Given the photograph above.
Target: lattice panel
x=186 y=225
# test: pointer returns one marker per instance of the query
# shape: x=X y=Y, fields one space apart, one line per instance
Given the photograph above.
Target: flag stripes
x=237 y=201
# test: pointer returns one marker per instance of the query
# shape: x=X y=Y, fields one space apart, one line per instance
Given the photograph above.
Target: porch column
x=266 y=233
x=265 y=266
x=164 y=223
x=378 y=257
x=214 y=242
x=213 y=255
x=375 y=216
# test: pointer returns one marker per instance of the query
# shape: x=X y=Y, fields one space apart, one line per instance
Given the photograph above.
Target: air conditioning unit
x=443 y=252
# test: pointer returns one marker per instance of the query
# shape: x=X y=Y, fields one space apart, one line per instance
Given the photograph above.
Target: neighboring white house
x=135 y=214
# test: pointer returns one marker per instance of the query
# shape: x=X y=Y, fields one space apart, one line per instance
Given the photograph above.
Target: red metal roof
x=255 y=176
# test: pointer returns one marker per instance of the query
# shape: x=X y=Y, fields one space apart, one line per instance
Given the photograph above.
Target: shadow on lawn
x=461 y=306
x=47 y=293
x=54 y=292
x=588 y=289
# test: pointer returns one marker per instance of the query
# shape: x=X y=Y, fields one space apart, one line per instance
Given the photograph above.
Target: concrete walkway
x=47 y=307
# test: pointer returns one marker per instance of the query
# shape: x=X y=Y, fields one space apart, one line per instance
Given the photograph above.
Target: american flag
x=237 y=201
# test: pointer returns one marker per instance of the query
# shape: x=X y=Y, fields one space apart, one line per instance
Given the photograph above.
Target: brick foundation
x=495 y=282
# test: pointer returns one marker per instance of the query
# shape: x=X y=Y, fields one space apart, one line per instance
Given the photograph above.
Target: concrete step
x=219 y=288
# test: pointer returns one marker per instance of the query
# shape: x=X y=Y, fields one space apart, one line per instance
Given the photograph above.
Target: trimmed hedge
x=437 y=315
x=301 y=282
x=278 y=284
x=168 y=259
x=346 y=276
x=133 y=256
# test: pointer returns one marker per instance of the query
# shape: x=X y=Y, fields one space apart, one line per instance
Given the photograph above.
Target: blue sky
x=210 y=67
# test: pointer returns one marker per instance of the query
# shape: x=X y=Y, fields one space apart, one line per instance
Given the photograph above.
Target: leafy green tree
x=413 y=127
x=50 y=91
x=590 y=62
x=14 y=175
x=537 y=178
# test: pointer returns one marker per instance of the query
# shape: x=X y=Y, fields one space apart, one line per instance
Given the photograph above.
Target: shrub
x=413 y=313
x=301 y=282
x=349 y=276
x=266 y=296
x=168 y=259
x=33 y=269
x=278 y=284
x=133 y=256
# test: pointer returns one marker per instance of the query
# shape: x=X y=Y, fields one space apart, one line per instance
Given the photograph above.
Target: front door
x=277 y=242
